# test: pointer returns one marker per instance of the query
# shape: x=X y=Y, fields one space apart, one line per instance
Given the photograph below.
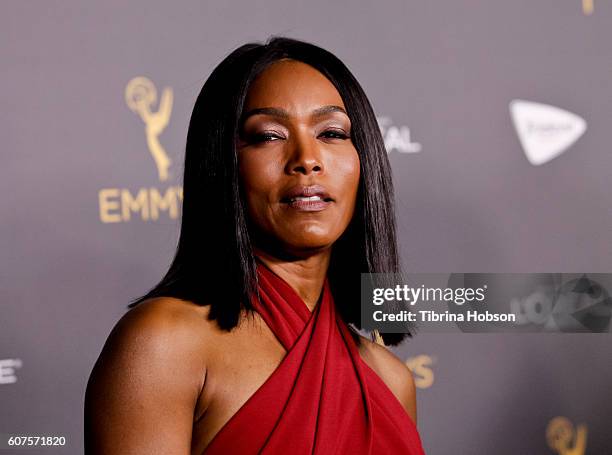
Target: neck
x=305 y=275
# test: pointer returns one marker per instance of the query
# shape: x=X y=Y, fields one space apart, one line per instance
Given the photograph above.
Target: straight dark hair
x=214 y=262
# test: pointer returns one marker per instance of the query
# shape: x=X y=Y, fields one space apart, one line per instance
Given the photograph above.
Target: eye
x=335 y=134
x=257 y=138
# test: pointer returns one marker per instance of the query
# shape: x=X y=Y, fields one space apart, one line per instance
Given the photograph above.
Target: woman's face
x=298 y=166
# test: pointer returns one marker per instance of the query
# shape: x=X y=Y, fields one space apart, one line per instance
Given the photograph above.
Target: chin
x=312 y=231
x=307 y=244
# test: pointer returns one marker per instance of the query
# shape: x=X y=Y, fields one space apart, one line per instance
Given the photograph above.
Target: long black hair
x=214 y=262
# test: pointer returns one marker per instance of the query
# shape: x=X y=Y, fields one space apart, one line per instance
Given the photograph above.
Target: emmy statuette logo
x=564 y=439
x=141 y=96
x=120 y=205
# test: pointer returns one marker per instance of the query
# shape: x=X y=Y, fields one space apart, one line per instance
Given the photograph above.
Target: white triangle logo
x=545 y=131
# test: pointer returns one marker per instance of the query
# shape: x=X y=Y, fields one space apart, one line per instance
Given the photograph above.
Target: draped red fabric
x=322 y=398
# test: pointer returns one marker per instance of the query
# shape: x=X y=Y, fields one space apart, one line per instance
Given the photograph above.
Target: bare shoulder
x=148 y=376
x=170 y=316
x=394 y=373
x=159 y=327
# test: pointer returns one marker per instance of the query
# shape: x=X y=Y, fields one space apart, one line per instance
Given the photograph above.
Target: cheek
x=259 y=175
x=349 y=170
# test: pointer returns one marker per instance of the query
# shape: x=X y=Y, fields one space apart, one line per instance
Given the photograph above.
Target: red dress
x=322 y=398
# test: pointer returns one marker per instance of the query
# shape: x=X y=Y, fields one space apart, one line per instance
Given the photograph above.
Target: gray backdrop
x=88 y=221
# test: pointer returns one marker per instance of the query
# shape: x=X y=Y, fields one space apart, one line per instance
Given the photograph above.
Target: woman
x=245 y=344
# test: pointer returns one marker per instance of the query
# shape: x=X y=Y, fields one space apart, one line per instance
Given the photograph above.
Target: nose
x=305 y=157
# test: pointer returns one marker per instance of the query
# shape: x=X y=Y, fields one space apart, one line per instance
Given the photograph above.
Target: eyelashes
x=336 y=134
x=257 y=138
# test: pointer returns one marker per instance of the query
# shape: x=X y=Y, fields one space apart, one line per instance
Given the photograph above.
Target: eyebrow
x=281 y=113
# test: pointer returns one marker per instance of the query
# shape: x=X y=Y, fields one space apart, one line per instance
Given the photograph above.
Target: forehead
x=294 y=86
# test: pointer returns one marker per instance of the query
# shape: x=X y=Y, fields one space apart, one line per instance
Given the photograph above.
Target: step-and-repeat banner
x=497 y=117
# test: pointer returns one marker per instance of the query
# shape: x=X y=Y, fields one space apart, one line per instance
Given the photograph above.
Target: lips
x=307 y=198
